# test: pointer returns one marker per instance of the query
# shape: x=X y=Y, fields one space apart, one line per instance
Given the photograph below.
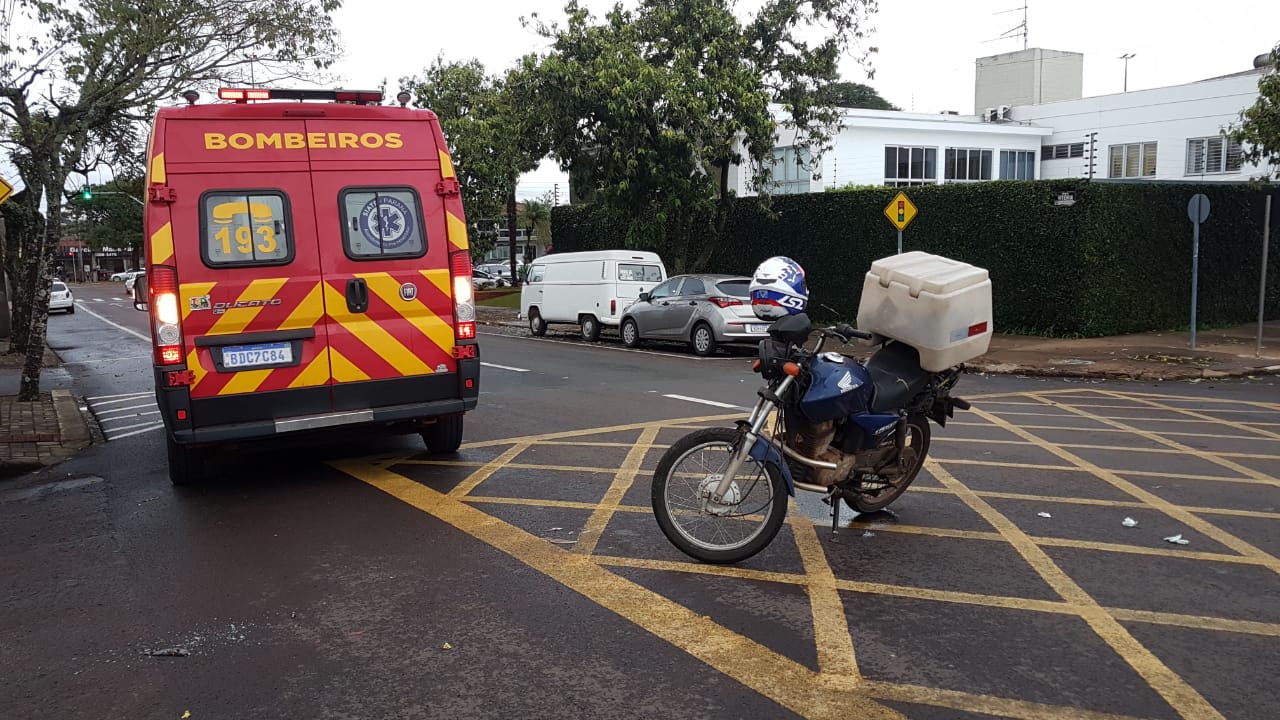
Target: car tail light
x=977 y=329
x=613 y=307
x=162 y=287
x=725 y=302
x=464 y=308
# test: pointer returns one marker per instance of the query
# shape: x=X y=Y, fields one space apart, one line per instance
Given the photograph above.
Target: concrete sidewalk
x=39 y=433
x=1146 y=356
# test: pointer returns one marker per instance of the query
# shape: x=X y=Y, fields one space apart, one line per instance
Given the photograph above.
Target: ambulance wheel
x=186 y=464
x=444 y=436
x=537 y=325
x=590 y=328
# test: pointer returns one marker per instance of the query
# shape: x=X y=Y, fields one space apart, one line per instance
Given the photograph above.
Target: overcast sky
x=926 y=47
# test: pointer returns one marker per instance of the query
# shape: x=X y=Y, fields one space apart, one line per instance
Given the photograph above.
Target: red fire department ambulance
x=307 y=268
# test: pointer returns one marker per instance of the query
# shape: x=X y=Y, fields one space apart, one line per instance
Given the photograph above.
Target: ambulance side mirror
x=140 y=293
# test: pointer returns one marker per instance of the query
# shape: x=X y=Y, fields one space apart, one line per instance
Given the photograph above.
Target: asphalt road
x=525 y=577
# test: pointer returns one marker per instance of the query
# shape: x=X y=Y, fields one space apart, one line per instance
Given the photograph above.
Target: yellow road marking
x=837 y=660
x=597 y=431
x=625 y=476
x=1076 y=500
x=487 y=470
x=962 y=423
x=778 y=678
x=1177 y=448
x=985 y=704
x=1168 y=684
x=1155 y=501
x=1173 y=449
x=1209 y=418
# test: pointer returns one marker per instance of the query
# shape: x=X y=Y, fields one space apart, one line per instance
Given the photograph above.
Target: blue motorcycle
x=825 y=423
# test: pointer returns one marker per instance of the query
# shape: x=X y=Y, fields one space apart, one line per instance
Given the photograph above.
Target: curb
x=1169 y=374
x=73 y=429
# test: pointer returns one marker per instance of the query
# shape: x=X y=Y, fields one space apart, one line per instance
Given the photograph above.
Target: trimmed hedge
x=1117 y=261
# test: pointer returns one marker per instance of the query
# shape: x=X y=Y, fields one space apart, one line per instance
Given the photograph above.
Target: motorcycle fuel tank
x=839 y=387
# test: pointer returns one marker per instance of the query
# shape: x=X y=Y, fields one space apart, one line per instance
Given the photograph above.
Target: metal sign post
x=1198 y=211
x=1262 y=286
x=900 y=211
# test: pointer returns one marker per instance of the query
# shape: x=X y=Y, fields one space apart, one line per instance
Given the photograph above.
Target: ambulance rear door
x=249 y=269
x=385 y=254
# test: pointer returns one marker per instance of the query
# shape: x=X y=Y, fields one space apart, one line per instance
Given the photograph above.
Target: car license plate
x=236 y=357
x=758 y=328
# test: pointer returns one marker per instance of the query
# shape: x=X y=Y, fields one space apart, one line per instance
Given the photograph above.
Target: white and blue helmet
x=778 y=289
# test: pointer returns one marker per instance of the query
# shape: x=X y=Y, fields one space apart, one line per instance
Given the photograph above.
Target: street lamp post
x=1125 y=57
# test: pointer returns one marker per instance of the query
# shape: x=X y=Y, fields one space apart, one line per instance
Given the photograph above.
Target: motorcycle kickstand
x=835 y=514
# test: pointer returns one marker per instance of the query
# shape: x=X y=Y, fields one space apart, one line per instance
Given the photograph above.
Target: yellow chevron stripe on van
x=343 y=369
x=446 y=165
x=235 y=320
x=193 y=364
x=415 y=312
x=245 y=381
x=316 y=372
x=440 y=278
x=307 y=313
x=157 y=169
x=162 y=245
x=373 y=335
x=457 y=232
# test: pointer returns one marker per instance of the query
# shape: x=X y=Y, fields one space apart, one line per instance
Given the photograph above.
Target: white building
x=1170 y=133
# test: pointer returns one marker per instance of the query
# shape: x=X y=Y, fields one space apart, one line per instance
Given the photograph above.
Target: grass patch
x=499 y=298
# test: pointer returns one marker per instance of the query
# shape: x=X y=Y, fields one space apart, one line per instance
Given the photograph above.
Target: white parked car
x=128 y=283
x=122 y=276
x=498 y=271
x=481 y=280
x=60 y=298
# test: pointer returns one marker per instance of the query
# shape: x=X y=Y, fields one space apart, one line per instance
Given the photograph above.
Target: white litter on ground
x=1129 y=522
x=1177 y=540
x=1044 y=514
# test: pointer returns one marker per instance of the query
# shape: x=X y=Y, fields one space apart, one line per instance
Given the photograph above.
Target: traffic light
x=86 y=193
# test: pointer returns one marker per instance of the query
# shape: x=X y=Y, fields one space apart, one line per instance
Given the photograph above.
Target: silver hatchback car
x=702 y=310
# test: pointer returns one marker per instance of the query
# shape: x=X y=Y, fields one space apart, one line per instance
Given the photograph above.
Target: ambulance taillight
x=464 y=307
x=162 y=285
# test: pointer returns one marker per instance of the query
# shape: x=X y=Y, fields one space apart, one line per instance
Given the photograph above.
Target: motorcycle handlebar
x=848 y=332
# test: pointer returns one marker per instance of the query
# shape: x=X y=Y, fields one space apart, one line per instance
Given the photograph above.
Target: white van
x=588 y=289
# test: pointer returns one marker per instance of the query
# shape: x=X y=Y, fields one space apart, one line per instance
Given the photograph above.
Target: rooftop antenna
x=1020 y=29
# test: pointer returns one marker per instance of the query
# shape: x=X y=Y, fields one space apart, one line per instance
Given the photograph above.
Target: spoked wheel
x=879 y=492
x=752 y=511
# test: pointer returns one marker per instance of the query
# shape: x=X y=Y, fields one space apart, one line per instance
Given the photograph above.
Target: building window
x=792 y=171
x=1206 y=155
x=1017 y=165
x=1133 y=160
x=910 y=166
x=1062 y=152
x=967 y=164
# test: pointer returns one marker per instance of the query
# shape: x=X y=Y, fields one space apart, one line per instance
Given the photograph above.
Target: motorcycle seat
x=896 y=376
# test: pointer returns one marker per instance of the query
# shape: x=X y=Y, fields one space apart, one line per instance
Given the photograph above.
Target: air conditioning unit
x=989 y=115
x=1002 y=112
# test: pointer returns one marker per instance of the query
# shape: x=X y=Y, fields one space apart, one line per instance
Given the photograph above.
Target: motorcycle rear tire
x=776 y=511
x=864 y=504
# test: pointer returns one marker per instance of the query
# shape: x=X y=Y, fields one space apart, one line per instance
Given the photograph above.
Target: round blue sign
x=386 y=222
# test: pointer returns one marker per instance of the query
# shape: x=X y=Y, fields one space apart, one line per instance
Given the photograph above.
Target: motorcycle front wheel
x=745 y=522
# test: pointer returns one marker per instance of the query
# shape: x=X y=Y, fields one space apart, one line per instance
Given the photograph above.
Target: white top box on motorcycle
x=939 y=306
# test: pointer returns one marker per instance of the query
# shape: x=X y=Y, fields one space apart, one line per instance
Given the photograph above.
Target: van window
x=535 y=274
x=639 y=273
x=240 y=227
x=381 y=223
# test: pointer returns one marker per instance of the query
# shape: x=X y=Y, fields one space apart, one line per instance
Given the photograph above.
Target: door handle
x=357 y=295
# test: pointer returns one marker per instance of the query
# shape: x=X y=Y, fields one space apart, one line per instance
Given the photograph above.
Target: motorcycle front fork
x=759 y=415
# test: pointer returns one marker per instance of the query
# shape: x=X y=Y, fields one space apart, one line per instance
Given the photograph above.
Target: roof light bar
x=359 y=97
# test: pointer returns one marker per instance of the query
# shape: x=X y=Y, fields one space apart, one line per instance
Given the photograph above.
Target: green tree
x=492 y=140
x=854 y=95
x=86 y=73
x=1259 y=127
x=651 y=109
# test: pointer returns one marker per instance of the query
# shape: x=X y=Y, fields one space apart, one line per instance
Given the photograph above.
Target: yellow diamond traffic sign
x=900 y=211
x=5 y=190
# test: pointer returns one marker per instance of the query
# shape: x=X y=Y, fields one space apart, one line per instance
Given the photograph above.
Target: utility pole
x=1125 y=57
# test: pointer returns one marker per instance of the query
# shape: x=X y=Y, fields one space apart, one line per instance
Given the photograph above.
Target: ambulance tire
x=590 y=328
x=537 y=325
x=186 y=464
x=444 y=436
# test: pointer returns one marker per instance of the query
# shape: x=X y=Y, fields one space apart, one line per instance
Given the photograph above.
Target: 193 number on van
x=244 y=239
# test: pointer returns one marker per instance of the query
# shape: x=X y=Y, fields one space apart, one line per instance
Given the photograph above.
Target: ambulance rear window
x=382 y=223
x=240 y=227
